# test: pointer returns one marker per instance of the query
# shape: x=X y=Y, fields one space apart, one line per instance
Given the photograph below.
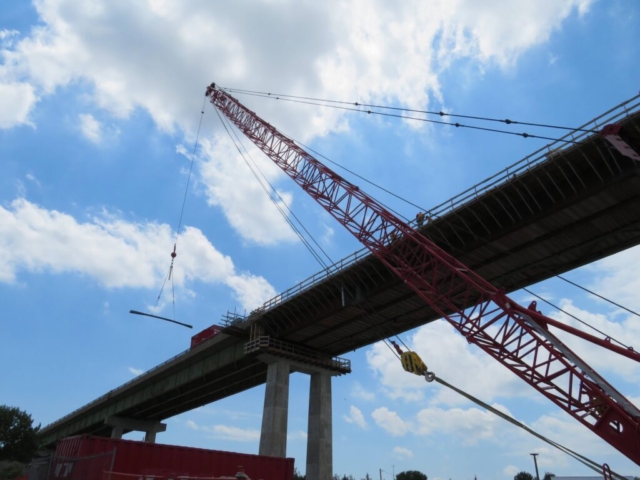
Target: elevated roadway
x=564 y=206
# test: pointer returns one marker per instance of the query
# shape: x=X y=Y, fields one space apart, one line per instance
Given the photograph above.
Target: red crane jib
x=516 y=336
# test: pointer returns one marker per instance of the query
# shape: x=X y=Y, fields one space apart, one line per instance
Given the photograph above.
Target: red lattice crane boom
x=516 y=336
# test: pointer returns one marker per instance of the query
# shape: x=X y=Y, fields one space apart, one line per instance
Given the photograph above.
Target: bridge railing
x=112 y=391
x=529 y=162
x=266 y=344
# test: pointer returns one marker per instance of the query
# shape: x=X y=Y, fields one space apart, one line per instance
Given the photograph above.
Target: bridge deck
x=555 y=210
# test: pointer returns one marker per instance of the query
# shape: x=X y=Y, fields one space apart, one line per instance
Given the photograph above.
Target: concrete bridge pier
x=273 y=436
x=320 y=429
x=121 y=425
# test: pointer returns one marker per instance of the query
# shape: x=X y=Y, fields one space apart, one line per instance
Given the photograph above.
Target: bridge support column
x=121 y=425
x=273 y=437
x=320 y=430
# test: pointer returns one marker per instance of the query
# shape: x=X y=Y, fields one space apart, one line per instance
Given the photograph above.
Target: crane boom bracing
x=516 y=336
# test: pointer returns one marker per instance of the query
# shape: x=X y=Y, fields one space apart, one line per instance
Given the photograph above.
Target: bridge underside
x=580 y=205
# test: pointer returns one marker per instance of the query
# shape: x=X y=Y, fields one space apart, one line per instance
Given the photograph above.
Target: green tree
x=548 y=476
x=523 y=476
x=411 y=475
x=297 y=475
x=18 y=436
x=366 y=477
x=10 y=470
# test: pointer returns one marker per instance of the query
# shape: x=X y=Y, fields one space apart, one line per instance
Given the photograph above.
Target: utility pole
x=380 y=474
x=535 y=461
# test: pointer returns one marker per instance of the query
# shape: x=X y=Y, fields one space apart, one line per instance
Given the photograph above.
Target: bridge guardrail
x=521 y=166
x=268 y=344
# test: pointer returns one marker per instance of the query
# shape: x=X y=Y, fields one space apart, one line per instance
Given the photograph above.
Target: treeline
x=408 y=475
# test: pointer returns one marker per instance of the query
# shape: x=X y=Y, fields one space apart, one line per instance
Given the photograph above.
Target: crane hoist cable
x=174 y=253
x=412 y=363
x=411 y=110
x=407 y=117
x=271 y=196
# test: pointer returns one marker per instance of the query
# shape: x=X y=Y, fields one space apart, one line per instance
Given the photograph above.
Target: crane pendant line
x=515 y=336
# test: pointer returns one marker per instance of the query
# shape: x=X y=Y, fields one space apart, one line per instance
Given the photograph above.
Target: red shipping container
x=206 y=334
x=135 y=457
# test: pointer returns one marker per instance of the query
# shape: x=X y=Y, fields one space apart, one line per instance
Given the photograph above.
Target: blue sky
x=100 y=105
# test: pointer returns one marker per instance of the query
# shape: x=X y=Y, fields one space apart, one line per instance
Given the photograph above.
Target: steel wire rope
x=281 y=199
x=184 y=201
x=404 y=109
x=598 y=295
x=577 y=319
x=363 y=178
x=272 y=198
x=576 y=456
x=425 y=120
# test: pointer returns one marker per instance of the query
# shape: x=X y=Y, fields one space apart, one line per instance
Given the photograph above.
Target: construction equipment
x=516 y=336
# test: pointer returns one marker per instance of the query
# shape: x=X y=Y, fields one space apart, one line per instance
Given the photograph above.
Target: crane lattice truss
x=516 y=336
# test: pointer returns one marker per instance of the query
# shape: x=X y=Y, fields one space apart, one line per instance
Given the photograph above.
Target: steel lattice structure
x=516 y=336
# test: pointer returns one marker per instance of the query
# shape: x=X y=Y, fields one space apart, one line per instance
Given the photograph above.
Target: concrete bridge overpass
x=564 y=206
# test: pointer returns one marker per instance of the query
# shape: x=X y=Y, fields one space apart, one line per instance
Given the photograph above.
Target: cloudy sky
x=100 y=103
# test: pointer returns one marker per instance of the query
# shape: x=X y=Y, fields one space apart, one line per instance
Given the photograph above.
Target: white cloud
x=612 y=278
x=355 y=416
x=390 y=421
x=626 y=330
x=34 y=239
x=7 y=37
x=235 y=434
x=133 y=55
x=297 y=435
x=229 y=184
x=449 y=355
x=468 y=425
x=90 y=127
x=135 y=371
x=226 y=432
x=402 y=453
x=32 y=178
x=358 y=391
x=4 y=33
x=511 y=471
x=17 y=100
x=193 y=425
